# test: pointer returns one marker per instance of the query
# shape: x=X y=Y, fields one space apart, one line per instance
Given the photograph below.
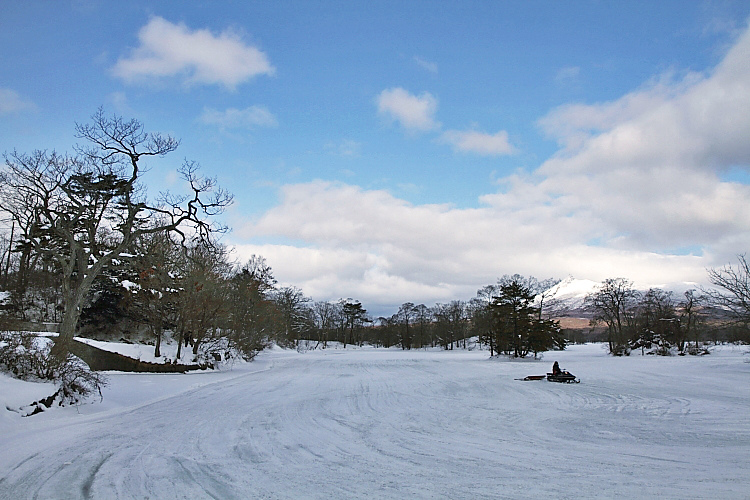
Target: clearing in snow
x=376 y=423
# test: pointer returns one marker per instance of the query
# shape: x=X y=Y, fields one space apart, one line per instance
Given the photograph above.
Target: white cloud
x=197 y=57
x=427 y=65
x=119 y=100
x=251 y=117
x=414 y=113
x=649 y=164
x=384 y=251
x=347 y=148
x=567 y=74
x=572 y=123
x=481 y=143
x=12 y=102
x=635 y=180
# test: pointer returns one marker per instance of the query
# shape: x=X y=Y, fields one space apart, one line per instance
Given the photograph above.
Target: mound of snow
x=15 y=393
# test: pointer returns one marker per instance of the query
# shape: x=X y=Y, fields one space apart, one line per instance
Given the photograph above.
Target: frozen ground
x=392 y=424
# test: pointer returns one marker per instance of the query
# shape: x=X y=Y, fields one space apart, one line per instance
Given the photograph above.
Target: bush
x=620 y=350
x=700 y=350
x=27 y=357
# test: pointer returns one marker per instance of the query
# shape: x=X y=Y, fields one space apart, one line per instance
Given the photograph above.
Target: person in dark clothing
x=556 y=369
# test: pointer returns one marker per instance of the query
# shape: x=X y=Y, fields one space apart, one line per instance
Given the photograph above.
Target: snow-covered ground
x=144 y=352
x=376 y=423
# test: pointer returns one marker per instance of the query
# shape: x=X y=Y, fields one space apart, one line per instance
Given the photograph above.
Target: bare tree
x=734 y=296
x=203 y=296
x=6 y=250
x=156 y=274
x=83 y=211
x=614 y=304
x=692 y=315
x=405 y=318
x=291 y=303
x=483 y=323
x=451 y=323
x=422 y=323
x=324 y=317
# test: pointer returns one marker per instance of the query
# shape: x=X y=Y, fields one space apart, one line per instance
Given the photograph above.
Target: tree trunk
x=157 y=329
x=68 y=326
x=179 y=344
x=10 y=248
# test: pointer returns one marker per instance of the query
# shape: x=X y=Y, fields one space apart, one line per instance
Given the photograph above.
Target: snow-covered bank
x=390 y=424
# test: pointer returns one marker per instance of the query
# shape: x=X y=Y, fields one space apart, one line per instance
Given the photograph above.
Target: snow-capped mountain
x=567 y=297
x=569 y=294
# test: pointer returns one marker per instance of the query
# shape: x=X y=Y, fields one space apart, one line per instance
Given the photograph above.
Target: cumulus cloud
x=12 y=102
x=634 y=181
x=384 y=251
x=414 y=113
x=251 y=117
x=474 y=141
x=649 y=164
x=196 y=57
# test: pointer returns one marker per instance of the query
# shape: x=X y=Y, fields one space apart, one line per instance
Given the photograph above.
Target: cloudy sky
x=416 y=151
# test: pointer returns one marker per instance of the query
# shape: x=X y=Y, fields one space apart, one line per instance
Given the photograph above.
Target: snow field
x=392 y=424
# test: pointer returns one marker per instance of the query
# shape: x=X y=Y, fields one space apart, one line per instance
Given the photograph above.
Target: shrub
x=27 y=357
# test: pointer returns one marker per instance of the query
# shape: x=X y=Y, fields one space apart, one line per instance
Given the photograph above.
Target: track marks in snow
x=89 y=481
x=388 y=424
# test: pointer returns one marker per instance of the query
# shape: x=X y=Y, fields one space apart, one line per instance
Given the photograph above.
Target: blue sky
x=394 y=151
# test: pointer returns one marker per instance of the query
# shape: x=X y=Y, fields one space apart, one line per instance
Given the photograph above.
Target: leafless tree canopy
x=614 y=305
x=735 y=284
x=82 y=211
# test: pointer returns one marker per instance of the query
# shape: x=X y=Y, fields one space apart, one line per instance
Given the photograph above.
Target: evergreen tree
x=519 y=327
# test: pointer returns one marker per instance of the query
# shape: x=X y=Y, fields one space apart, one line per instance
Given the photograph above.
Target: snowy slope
x=571 y=292
x=568 y=296
x=392 y=424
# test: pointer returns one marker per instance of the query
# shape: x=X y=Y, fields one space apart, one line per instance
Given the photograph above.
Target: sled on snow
x=532 y=377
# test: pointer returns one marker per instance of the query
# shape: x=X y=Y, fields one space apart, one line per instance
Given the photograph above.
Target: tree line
x=88 y=249
x=213 y=305
x=657 y=322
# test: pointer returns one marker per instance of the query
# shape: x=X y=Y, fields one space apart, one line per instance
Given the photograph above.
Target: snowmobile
x=564 y=377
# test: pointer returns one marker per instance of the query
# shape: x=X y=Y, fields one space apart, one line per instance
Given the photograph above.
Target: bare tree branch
x=83 y=211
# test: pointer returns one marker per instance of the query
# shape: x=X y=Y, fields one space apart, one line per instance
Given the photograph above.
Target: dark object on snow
x=557 y=375
x=564 y=376
x=532 y=377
